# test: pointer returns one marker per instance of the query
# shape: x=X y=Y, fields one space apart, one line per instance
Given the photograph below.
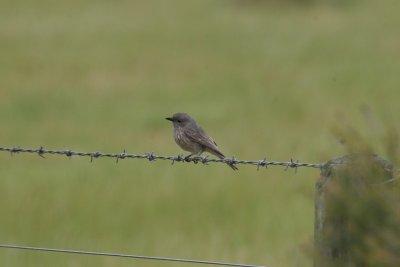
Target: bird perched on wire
x=190 y=137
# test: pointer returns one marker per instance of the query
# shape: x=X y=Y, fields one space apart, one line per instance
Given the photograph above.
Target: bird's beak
x=170 y=119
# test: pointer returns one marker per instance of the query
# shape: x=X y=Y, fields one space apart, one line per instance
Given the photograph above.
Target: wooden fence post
x=344 y=183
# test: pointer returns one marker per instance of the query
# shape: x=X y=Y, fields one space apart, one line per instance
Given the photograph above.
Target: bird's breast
x=185 y=142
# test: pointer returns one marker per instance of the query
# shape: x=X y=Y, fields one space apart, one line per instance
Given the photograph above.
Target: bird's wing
x=209 y=138
x=200 y=137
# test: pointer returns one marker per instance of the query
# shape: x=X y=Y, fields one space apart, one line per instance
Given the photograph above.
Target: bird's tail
x=222 y=156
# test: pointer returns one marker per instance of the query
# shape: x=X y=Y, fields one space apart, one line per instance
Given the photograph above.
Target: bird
x=192 y=138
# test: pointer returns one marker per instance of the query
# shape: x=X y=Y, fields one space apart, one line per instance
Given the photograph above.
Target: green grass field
x=264 y=80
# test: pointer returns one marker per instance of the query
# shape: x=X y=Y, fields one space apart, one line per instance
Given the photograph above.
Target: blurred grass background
x=264 y=78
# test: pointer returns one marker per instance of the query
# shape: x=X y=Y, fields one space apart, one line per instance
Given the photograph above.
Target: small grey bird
x=192 y=138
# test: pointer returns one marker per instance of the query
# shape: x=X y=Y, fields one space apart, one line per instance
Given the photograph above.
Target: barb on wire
x=126 y=256
x=152 y=157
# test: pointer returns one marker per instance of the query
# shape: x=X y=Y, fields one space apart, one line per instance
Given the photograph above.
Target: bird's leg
x=198 y=155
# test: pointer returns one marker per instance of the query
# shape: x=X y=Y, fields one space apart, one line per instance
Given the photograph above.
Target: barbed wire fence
x=41 y=151
x=264 y=163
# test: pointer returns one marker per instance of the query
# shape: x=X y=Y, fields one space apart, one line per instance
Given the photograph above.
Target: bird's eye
x=179 y=121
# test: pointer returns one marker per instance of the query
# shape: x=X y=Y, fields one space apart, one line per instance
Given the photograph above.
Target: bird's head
x=181 y=120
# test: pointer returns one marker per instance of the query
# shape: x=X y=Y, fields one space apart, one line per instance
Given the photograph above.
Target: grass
x=263 y=79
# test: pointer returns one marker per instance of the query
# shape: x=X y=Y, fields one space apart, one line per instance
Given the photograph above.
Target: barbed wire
x=152 y=157
x=108 y=254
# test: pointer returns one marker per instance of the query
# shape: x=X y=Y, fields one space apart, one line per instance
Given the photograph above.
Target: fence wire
x=107 y=254
x=152 y=157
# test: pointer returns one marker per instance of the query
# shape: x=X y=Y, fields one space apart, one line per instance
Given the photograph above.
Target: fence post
x=344 y=184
